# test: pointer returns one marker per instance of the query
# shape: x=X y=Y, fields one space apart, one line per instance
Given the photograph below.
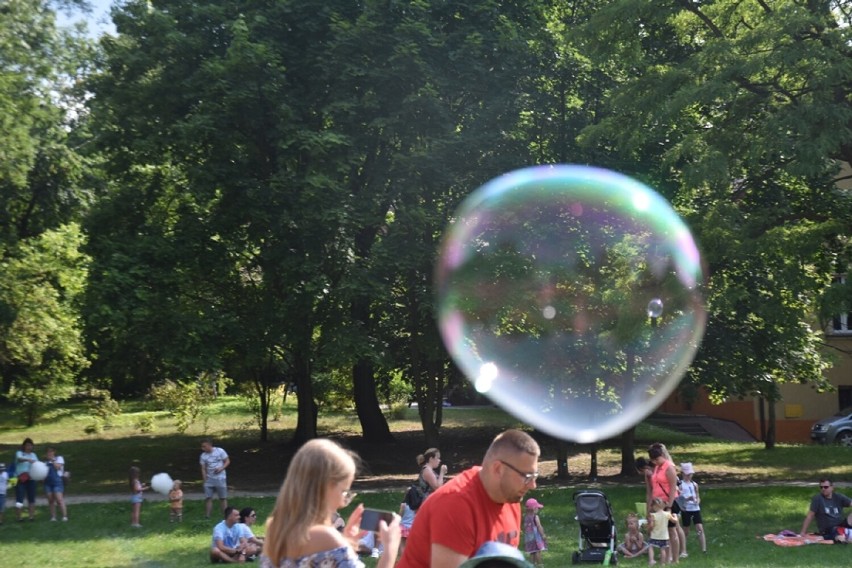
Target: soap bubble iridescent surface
x=570 y=296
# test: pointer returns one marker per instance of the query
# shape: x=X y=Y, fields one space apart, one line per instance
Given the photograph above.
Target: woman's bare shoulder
x=322 y=537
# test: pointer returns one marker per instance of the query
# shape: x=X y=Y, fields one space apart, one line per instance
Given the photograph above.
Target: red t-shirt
x=461 y=516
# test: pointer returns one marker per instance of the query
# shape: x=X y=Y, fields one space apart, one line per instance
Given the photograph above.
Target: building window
x=841 y=324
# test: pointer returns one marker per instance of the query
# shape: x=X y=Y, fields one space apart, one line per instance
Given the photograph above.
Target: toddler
x=176 y=502
x=658 y=525
x=535 y=541
x=407 y=514
x=634 y=543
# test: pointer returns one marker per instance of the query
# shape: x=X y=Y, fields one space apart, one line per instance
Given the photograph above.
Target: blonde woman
x=300 y=532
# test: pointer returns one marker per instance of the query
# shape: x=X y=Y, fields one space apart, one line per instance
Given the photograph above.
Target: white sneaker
x=375 y=553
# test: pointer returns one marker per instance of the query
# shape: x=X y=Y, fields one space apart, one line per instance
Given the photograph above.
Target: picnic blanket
x=789 y=538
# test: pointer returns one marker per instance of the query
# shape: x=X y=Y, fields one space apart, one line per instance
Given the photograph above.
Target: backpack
x=414 y=497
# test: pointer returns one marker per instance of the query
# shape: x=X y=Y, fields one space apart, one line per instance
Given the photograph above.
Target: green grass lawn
x=98 y=534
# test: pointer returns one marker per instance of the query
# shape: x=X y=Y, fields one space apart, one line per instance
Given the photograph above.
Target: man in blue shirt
x=228 y=544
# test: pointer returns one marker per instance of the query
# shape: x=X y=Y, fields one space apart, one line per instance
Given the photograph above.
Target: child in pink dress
x=535 y=541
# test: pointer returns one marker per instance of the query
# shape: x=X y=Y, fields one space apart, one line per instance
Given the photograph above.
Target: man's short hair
x=512 y=442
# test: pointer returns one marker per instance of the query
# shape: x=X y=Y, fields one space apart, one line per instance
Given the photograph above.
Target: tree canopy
x=262 y=186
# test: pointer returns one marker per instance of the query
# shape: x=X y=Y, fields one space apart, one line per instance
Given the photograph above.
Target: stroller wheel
x=575 y=558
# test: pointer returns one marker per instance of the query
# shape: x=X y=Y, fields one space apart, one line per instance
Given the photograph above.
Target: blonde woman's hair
x=301 y=502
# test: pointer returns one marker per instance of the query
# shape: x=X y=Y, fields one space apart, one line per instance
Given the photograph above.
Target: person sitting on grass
x=634 y=543
x=254 y=544
x=827 y=507
x=228 y=544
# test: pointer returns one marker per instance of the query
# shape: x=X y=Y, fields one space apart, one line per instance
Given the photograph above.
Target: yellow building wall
x=799 y=407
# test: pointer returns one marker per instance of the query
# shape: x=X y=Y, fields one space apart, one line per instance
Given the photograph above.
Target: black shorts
x=689 y=517
x=675 y=510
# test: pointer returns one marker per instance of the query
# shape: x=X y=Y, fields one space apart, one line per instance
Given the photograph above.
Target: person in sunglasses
x=479 y=505
x=254 y=544
x=827 y=508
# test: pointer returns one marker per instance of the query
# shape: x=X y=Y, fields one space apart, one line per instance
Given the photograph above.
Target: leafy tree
x=741 y=102
x=257 y=197
x=39 y=170
x=41 y=352
x=435 y=95
x=43 y=192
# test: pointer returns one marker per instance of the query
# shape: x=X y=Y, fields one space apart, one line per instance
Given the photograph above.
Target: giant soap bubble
x=569 y=295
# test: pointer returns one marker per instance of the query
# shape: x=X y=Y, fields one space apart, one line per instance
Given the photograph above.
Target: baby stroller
x=597 y=528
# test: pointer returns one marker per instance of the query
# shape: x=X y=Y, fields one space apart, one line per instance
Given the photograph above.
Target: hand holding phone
x=370 y=519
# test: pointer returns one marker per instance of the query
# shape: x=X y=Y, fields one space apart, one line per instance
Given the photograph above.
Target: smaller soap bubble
x=655 y=308
x=570 y=296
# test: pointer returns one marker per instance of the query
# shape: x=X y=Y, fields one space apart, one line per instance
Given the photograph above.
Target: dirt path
x=236 y=494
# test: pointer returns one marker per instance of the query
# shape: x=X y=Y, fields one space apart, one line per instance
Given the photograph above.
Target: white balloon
x=162 y=483
x=38 y=470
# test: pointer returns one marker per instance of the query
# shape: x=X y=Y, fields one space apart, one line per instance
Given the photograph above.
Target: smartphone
x=371 y=517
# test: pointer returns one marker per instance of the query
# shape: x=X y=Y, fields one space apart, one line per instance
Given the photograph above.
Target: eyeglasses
x=253 y=515
x=825 y=486
x=348 y=496
x=528 y=477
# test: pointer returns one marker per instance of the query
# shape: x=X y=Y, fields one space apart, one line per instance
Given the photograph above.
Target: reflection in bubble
x=655 y=308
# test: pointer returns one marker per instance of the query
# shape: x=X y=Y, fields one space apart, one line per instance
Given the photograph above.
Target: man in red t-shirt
x=479 y=505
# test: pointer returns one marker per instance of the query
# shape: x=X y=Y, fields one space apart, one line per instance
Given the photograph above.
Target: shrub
x=184 y=400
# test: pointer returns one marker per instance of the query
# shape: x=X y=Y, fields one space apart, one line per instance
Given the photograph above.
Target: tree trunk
x=263 y=398
x=373 y=423
x=426 y=410
x=628 y=449
x=769 y=442
x=561 y=459
x=593 y=470
x=306 y=424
